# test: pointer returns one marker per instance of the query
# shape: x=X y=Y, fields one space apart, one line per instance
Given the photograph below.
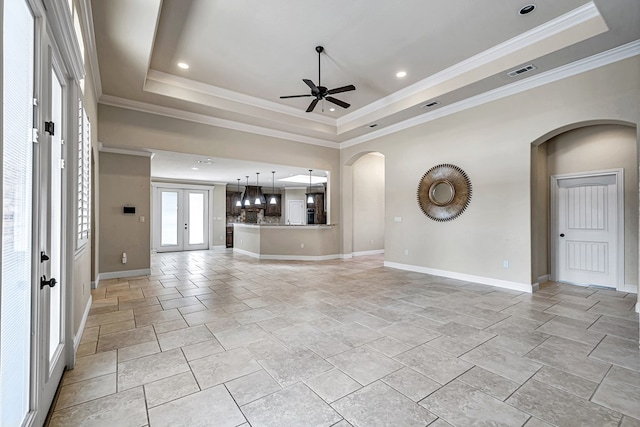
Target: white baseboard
x=629 y=288
x=288 y=257
x=347 y=256
x=516 y=286
x=544 y=278
x=125 y=273
x=365 y=253
x=80 y=331
x=95 y=283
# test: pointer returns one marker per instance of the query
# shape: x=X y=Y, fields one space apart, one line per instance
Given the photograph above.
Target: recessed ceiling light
x=183 y=65
x=401 y=74
x=195 y=169
x=527 y=9
x=332 y=109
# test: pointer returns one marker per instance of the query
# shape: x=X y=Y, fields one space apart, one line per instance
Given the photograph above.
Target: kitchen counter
x=287 y=242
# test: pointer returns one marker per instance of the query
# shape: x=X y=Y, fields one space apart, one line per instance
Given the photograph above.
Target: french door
x=183 y=219
x=32 y=295
x=51 y=286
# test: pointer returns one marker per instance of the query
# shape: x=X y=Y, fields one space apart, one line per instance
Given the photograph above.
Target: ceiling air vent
x=373 y=125
x=431 y=104
x=521 y=70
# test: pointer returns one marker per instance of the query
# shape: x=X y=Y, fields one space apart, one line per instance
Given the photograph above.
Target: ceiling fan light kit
x=320 y=92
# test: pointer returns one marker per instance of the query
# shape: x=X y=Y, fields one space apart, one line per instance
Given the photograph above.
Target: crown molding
x=600 y=60
x=92 y=50
x=218 y=92
x=212 y=121
x=563 y=23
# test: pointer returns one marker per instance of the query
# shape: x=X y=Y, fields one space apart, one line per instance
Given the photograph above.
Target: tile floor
x=216 y=339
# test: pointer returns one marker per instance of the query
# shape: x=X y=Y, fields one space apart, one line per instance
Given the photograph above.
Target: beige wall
x=595 y=148
x=132 y=129
x=492 y=143
x=124 y=180
x=368 y=203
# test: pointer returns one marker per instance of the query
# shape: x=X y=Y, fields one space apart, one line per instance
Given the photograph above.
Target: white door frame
x=155 y=199
x=554 y=231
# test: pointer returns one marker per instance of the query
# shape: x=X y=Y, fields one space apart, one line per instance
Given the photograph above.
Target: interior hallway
x=217 y=339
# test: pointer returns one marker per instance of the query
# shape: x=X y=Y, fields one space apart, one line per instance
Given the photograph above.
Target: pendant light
x=238 y=202
x=309 y=196
x=273 y=200
x=257 y=201
x=247 y=202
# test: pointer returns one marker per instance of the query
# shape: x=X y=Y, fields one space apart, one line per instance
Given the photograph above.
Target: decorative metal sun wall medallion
x=444 y=192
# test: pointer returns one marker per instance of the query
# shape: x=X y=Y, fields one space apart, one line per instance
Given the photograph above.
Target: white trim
x=365 y=253
x=78 y=336
x=587 y=64
x=95 y=283
x=104 y=149
x=218 y=92
x=629 y=288
x=92 y=50
x=288 y=257
x=567 y=22
x=60 y=20
x=123 y=274
x=516 y=286
x=212 y=121
x=544 y=278
x=553 y=214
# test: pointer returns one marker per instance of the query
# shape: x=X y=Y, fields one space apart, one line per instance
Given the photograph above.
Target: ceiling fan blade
x=314 y=88
x=338 y=102
x=295 y=96
x=312 y=105
x=341 y=89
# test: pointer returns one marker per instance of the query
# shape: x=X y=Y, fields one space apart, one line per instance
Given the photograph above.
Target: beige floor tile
x=92 y=366
x=171 y=388
x=147 y=369
x=84 y=391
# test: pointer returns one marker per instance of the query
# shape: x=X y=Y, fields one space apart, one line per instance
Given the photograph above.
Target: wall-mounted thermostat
x=129 y=209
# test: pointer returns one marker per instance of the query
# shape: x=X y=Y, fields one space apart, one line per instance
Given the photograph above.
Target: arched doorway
x=582 y=151
x=364 y=209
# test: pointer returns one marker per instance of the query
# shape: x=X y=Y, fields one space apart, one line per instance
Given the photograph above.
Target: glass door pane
x=55 y=218
x=169 y=218
x=196 y=218
x=17 y=158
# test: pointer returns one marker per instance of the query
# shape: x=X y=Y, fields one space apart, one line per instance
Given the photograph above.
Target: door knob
x=44 y=282
x=561 y=234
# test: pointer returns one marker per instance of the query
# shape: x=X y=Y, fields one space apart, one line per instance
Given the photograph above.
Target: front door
x=587 y=230
x=183 y=219
x=52 y=284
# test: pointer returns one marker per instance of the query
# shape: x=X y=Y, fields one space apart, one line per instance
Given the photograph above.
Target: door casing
x=554 y=230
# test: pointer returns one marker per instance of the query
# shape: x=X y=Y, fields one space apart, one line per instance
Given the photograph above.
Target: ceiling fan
x=320 y=92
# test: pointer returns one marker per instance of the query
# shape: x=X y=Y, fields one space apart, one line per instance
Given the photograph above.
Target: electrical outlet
x=371 y=241
x=406 y=251
x=397 y=218
x=141 y=219
x=505 y=263
x=302 y=245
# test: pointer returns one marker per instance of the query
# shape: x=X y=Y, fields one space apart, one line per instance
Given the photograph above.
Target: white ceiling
x=244 y=54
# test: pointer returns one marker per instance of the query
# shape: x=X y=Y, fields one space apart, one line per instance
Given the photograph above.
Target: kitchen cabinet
x=232 y=198
x=229 y=236
x=273 y=210
x=316 y=213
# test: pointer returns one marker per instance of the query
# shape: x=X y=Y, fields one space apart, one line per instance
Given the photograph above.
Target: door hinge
x=49 y=127
x=34 y=135
x=35 y=102
x=61 y=163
